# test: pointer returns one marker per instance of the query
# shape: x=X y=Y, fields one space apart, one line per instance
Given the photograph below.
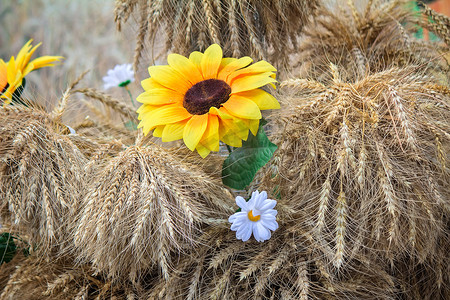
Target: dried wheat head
x=33 y=278
x=364 y=41
x=365 y=166
x=41 y=174
x=437 y=23
x=290 y=265
x=262 y=29
x=429 y=279
x=142 y=207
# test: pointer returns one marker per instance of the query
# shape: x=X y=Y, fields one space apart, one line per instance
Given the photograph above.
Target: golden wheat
x=261 y=29
x=40 y=171
x=287 y=266
x=364 y=42
x=381 y=181
x=33 y=278
x=144 y=206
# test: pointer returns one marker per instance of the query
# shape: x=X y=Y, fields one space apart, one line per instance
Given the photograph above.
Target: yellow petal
x=14 y=77
x=158 y=130
x=242 y=107
x=25 y=48
x=253 y=125
x=225 y=61
x=194 y=129
x=145 y=128
x=196 y=58
x=228 y=136
x=251 y=82
x=169 y=78
x=146 y=109
x=160 y=96
x=218 y=112
x=263 y=99
x=25 y=62
x=185 y=67
x=3 y=75
x=173 y=132
x=210 y=138
x=236 y=125
x=164 y=115
x=150 y=83
x=43 y=61
x=211 y=61
x=23 y=53
x=258 y=67
x=27 y=69
x=12 y=71
x=203 y=151
x=233 y=66
x=8 y=94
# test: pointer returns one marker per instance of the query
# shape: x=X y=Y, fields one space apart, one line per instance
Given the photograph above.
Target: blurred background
x=83 y=31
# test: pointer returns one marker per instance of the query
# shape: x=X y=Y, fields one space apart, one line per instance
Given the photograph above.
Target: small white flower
x=257 y=216
x=72 y=131
x=121 y=76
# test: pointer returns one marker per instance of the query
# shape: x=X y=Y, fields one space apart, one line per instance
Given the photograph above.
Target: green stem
x=131 y=97
x=229 y=148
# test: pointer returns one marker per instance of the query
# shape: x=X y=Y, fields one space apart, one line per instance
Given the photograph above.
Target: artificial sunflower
x=205 y=99
x=13 y=72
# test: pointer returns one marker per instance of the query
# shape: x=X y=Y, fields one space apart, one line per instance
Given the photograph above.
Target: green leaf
x=240 y=167
x=7 y=248
x=125 y=83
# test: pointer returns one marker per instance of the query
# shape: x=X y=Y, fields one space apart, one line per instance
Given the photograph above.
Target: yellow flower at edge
x=13 y=72
x=205 y=99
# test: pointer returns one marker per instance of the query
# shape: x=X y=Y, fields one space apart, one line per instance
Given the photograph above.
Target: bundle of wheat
x=115 y=121
x=144 y=205
x=429 y=279
x=364 y=165
x=361 y=43
x=290 y=265
x=33 y=278
x=41 y=174
x=261 y=29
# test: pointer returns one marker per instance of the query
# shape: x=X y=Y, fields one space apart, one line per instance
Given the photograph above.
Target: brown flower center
x=206 y=94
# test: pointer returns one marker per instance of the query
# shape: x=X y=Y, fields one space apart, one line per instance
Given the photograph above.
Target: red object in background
x=441 y=6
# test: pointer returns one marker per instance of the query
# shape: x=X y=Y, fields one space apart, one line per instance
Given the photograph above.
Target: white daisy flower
x=120 y=76
x=257 y=216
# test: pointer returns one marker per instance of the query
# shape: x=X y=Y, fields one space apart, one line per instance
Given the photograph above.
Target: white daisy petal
x=263 y=232
x=236 y=216
x=237 y=224
x=256 y=217
x=241 y=202
x=256 y=232
x=271 y=212
x=261 y=198
x=121 y=75
x=272 y=225
x=268 y=204
x=240 y=231
x=248 y=234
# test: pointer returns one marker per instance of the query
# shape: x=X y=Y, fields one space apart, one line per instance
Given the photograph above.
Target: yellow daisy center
x=206 y=94
x=251 y=217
